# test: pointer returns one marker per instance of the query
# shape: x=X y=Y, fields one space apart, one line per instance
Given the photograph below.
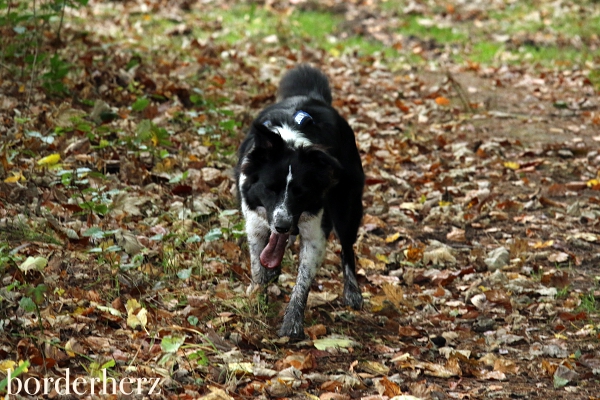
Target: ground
x=122 y=251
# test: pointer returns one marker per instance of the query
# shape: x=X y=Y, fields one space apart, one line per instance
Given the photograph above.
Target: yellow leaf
x=140 y=319
x=17 y=176
x=69 y=347
x=135 y=319
x=22 y=89
x=512 y=165
x=6 y=365
x=334 y=52
x=560 y=336
x=50 y=160
x=366 y=263
x=593 y=182
x=21 y=362
x=79 y=311
x=541 y=245
x=382 y=258
x=443 y=203
x=392 y=238
x=132 y=305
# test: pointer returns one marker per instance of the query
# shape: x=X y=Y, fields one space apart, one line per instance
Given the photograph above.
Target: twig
x=62 y=17
x=464 y=98
x=35 y=55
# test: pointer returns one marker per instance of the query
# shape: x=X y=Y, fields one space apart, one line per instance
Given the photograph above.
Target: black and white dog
x=299 y=172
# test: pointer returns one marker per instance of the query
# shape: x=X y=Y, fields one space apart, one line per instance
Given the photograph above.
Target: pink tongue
x=272 y=254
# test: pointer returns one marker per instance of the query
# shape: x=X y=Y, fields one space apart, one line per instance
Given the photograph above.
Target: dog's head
x=286 y=174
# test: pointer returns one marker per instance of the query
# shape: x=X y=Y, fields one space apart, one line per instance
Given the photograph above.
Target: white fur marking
x=291 y=135
x=312 y=250
x=288 y=179
x=281 y=210
x=257 y=231
x=312 y=253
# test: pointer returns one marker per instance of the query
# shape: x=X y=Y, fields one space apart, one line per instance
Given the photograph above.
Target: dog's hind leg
x=312 y=252
x=352 y=294
x=346 y=221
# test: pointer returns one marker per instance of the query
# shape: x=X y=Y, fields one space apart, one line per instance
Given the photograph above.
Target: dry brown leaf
x=300 y=361
x=414 y=254
x=546 y=202
x=371 y=222
x=456 y=235
x=394 y=294
x=506 y=366
x=390 y=388
x=374 y=368
x=450 y=369
x=334 y=396
x=315 y=331
x=409 y=331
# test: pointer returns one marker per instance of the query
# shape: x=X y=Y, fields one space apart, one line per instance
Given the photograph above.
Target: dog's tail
x=304 y=80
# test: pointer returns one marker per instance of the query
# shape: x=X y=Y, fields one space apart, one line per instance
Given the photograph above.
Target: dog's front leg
x=312 y=253
x=257 y=231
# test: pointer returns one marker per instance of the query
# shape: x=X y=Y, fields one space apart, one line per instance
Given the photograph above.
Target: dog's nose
x=283 y=227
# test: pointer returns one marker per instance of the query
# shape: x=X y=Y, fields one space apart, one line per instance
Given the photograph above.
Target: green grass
x=315 y=28
x=486 y=52
x=594 y=77
x=589 y=303
x=524 y=20
x=415 y=27
x=475 y=42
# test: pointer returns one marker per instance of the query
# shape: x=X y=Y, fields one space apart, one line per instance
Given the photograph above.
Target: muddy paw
x=293 y=329
x=353 y=297
x=293 y=324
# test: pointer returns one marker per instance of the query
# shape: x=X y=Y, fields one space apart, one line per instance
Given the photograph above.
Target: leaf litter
x=477 y=254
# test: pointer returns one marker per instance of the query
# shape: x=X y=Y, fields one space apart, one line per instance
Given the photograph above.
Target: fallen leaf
x=511 y=165
x=334 y=342
x=442 y=101
x=33 y=264
x=49 y=160
x=137 y=316
x=392 y=238
x=315 y=332
x=438 y=256
x=456 y=235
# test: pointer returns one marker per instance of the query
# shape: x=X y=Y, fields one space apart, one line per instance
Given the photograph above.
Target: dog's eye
x=302 y=118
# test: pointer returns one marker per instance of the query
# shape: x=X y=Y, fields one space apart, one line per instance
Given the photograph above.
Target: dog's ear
x=265 y=138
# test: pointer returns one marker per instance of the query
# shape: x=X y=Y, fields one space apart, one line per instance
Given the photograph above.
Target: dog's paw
x=293 y=329
x=266 y=276
x=353 y=297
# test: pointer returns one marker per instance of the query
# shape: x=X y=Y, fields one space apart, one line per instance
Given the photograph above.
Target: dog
x=299 y=172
